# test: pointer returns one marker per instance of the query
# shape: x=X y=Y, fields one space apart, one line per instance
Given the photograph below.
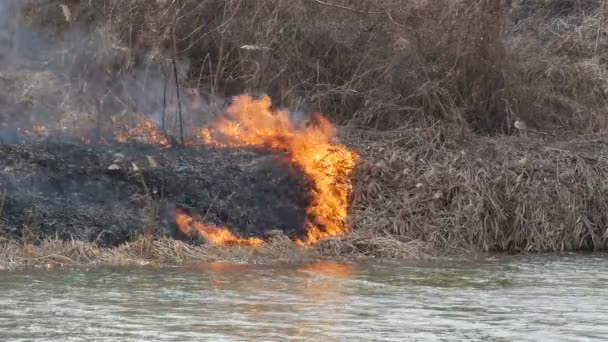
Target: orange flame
x=38 y=132
x=252 y=123
x=148 y=130
x=327 y=165
x=215 y=235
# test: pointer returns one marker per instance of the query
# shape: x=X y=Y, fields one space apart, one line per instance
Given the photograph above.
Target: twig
x=2 y=202
x=210 y=206
x=179 y=105
x=220 y=60
x=599 y=27
x=98 y=124
x=165 y=86
x=179 y=101
x=354 y=9
x=16 y=35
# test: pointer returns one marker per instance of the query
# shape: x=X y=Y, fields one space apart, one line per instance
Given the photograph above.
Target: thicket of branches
x=381 y=64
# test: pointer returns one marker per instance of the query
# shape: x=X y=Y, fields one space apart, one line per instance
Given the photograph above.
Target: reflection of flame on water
x=277 y=294
x=222 y=272
x=326 y=281
x=328 y=269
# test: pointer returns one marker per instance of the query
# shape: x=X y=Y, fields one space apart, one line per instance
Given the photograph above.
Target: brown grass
x=449 y=73
x=384 y=64
x=456 y=192
x=143 y=252
x=480 y=63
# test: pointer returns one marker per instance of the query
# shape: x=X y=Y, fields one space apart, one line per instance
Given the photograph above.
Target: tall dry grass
x=560 y=49
x=457 y=193
x=378 y=64
x=149 y=252
x=478 y=63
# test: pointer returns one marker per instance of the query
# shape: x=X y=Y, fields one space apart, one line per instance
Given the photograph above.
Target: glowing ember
x=213 y=234
x=148 y=130
x=329 y=166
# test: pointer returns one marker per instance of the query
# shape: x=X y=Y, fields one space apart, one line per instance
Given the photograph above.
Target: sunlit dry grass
x=144 y=252
x=453 y=192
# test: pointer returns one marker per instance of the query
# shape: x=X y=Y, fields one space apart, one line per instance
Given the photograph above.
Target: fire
x=215 y=235
x=252 y=123
x=328 y=165
x=38 y=132
x=148 y=130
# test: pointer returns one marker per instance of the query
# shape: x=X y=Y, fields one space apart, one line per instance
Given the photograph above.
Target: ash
x=112 y=193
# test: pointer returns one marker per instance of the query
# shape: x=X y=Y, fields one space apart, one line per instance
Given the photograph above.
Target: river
x=533 y=298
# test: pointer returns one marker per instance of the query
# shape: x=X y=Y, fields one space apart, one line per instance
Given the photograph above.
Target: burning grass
x=419 y=194
x=146 y=251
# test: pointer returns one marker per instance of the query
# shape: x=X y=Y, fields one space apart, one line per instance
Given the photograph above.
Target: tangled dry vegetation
x=472 y=194
x=482 y=64
x=144 y=251
x=455 y=75
x=381 y=64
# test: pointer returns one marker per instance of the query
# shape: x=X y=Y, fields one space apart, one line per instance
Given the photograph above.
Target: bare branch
x=354 y=9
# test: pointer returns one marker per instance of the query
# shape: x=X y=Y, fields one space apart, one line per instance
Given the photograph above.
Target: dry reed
x=443 y=70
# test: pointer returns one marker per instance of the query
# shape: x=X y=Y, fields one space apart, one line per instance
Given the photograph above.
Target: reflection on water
x=330 y=269
x=316 y=287
x=517 y=299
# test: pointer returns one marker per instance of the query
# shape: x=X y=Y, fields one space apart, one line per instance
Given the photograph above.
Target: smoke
x=78 y=79
x=81 y=80
x=80 y=83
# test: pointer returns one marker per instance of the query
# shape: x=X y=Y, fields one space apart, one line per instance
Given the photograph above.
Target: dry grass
x=560 y=51
x=143 y=252
x=475 y=63
x=455 y=192
x=420 y=193
x=377 y=64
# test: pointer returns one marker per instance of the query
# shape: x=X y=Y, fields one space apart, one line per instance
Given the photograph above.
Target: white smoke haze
x=78 y=79
x=83 y=81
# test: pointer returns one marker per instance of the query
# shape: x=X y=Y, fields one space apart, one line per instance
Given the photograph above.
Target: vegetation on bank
x=381 y=64
x=457 y=176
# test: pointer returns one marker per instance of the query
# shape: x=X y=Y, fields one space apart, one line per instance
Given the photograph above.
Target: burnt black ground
x=67 y=191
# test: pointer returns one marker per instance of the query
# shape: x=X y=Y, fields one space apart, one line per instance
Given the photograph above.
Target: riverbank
x=417 y=194
x=502 y=145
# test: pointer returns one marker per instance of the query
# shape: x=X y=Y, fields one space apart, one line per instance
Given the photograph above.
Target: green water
x=540 y=298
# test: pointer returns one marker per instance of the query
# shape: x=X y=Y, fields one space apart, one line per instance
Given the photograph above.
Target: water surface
x=536 y=298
